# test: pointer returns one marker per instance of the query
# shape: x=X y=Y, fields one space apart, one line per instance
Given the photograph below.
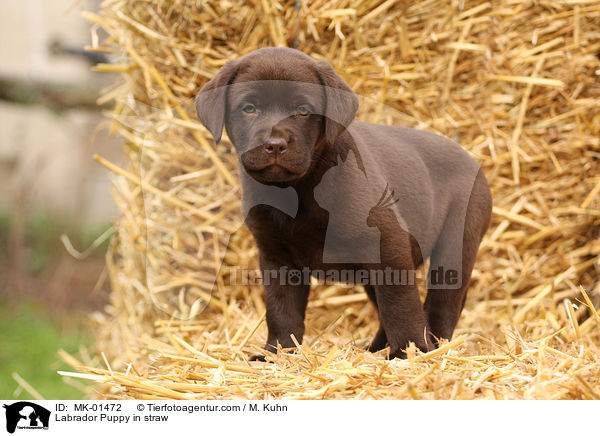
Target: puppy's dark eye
x=249 y=108
x=302 y=111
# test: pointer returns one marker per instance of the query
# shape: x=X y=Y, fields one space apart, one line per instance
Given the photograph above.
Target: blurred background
x=50 y=126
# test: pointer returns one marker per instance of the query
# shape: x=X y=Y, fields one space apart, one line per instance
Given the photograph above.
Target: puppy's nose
x=276 y=146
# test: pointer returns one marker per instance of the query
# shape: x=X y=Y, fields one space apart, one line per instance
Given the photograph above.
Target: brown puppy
x=346 y=200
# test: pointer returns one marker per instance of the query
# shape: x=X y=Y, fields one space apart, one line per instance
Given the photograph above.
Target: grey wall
x=46 y=156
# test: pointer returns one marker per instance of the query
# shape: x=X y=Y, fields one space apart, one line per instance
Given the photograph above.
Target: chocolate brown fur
x=291 y=120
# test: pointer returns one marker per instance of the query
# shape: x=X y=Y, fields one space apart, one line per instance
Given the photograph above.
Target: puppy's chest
x=306 y=231
x=301 y=237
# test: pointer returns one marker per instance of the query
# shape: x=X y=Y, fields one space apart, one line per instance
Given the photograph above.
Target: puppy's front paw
x=379 y=342
x=399 y=353
x=258 y=358
x=374 y=347
x=263 y=357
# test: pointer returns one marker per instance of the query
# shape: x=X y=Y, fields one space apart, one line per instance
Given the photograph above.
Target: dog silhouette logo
x=26 y=415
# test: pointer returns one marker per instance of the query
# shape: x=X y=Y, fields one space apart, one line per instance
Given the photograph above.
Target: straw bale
x=517 y=83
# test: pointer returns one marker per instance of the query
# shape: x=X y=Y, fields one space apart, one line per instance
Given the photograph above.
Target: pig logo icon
x=26 y=415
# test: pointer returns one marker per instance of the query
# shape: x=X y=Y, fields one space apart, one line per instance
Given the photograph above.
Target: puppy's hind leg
x=379 y=342
x=453 y=258
x=447 y=287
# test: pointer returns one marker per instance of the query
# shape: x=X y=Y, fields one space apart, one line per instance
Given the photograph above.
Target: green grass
x=30 y=333
x=41 y=238
x=30 y=340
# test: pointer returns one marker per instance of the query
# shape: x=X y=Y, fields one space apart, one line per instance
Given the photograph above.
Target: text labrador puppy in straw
x=336 y=198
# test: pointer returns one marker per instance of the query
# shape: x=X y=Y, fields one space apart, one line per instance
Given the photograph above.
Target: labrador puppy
x=343 y=200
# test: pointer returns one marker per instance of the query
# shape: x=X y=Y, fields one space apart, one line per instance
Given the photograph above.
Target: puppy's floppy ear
x=211 y=101
x=341 y=102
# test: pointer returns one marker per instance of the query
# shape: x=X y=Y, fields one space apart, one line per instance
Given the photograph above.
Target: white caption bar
x=90 y=418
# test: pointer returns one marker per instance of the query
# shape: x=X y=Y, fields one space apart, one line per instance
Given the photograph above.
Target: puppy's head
x=278 y=106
